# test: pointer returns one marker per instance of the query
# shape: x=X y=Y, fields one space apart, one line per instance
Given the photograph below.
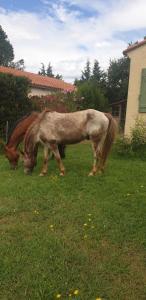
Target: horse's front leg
x=45 y=162
x=56 y=153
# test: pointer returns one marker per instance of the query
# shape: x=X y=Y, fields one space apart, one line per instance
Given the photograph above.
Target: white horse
x=53 y=128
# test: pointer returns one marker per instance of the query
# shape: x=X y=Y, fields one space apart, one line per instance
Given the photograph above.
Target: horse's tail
x=109 y=139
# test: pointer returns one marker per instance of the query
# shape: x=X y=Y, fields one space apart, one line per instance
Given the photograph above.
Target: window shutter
x=142 y=96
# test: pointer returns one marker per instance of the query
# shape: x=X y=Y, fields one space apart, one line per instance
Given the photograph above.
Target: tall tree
x=6 y=49
x=19 y=65
x=59 y=76
x=96 y=73
x=49 y=71
x=118 y=75
x=42 y=71
x=86 y=74
x=99 y=76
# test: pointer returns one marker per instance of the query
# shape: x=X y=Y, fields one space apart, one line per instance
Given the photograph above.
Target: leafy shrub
x=138 y=134
x=123 y=146
x=14 y=101
x=134 y=146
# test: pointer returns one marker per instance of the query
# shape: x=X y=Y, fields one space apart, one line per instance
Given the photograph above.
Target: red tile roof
x=134 y=46
x=40 y=81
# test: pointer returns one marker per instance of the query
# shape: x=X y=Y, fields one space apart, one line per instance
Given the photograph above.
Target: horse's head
x=29 y=161
x=12 y=156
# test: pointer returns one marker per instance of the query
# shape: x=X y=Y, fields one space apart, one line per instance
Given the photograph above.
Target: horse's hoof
x=42 y=174
x=62 y=174
x=91 y=174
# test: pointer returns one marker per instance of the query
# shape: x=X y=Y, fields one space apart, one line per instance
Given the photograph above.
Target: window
x=142 y=96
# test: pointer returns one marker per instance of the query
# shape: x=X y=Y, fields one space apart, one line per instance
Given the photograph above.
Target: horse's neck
x=16 y=138
x=31 y=138
x=18 y=134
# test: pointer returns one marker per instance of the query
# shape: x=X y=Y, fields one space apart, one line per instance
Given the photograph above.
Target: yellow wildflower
x=85 y=224
x=58 y=296
x=98 y=299
x=76 y=292
x=89 y=220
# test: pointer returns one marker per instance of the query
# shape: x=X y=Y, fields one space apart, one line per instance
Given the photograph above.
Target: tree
x=42 y=71
x=19 y=65
x=6 y=49
x=99 y=76
x=49 y=71
x=117 y=82
x=96 y=73
x=86 y=74
x=89 y=95
x=58 y=76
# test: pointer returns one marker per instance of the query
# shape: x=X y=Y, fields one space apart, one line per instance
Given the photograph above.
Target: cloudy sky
x=68 y=32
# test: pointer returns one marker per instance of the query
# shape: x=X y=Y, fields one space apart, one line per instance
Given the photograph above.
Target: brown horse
x=17 y=136
x=52 y=128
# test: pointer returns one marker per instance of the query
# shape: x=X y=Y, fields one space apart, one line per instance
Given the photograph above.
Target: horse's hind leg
x=45 y=162
x=95 y=155
x=56 y=153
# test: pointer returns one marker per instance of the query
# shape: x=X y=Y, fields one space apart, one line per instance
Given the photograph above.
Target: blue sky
x=68 y=32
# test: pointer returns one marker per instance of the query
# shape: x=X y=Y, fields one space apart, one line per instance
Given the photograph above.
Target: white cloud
x=66 y=40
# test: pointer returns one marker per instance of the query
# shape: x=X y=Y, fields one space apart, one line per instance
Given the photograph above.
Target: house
x=40 y=85
x=136 y=101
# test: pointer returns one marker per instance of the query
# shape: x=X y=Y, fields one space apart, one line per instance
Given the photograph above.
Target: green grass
x=105 y=258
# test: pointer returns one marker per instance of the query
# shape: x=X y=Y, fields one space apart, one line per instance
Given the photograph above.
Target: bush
x=138 y=134
x=123 y=146
x=90 y=95
x=134 y=146
x=14 y=101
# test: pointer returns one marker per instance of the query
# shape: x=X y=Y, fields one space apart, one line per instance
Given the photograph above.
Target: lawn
x=73 y=237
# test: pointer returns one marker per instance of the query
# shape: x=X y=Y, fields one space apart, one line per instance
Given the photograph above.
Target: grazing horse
x=17 y=136
x=52 y=128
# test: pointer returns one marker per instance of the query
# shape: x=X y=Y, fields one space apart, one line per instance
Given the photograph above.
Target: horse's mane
x=17 y=124
x=29 y=140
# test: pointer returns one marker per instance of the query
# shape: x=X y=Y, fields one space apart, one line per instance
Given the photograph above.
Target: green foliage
x=117 y=79
x=14 y=102
x=89 y=95
x=86 y=74
x=49 y=71
x=42 y=71
x=123 y=147
x=134 y=146
x=19 y=65
x=138 y=140
x=6 y=49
